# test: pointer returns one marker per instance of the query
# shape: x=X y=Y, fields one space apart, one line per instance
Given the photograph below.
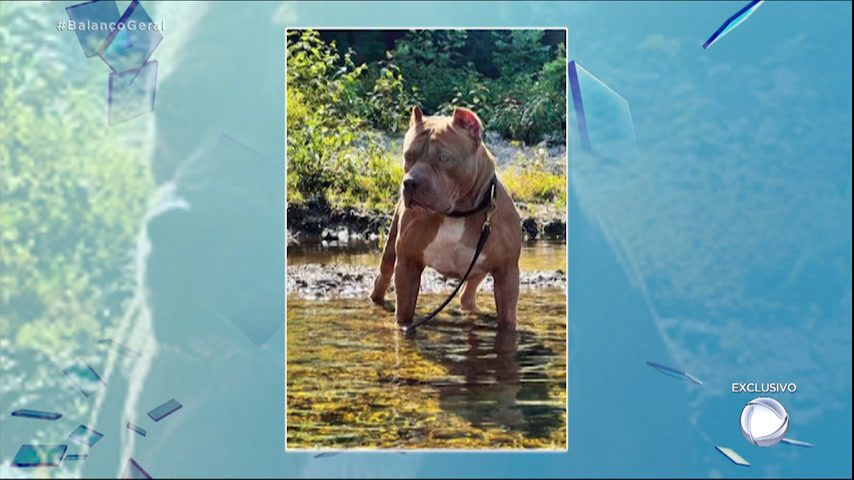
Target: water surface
x=536 y=255
x=355 y=380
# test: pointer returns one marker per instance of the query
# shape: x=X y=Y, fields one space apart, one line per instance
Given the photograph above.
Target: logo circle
x=764 y=422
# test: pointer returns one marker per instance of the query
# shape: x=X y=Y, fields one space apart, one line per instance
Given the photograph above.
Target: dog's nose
x=410 y=183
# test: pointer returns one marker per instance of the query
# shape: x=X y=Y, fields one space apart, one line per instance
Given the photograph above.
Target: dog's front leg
x=407 y=282
x=383 y=280
x=506 y=295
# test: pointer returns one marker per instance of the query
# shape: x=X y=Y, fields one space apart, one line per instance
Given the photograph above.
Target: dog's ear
x=465 y=118
x=417 y=116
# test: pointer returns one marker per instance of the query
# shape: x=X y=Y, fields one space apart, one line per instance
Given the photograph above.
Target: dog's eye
x=443 y=158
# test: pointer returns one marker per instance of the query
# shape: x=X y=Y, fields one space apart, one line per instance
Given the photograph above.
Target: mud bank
x=322 y=281
x=314 y=222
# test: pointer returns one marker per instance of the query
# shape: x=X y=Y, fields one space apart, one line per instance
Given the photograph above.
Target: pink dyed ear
x=417 y=116
x=463 y=117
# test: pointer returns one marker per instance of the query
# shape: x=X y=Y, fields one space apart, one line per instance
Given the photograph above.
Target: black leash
x=488 y=204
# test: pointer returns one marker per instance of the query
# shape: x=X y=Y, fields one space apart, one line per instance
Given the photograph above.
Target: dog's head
x=444 y=160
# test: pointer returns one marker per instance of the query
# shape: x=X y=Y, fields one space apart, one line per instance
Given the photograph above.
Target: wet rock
x=350 y=227
x=317 y=222
x=555 y=230
x=530 y=227
x=315 y=281
x=343 y=235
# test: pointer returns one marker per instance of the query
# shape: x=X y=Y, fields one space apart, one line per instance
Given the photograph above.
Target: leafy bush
x=519 y=52
x=386 y=101
x=72 y=193
x=532 y=185
x=532 y=182
x=531 y=105
x=434 y=64
x=527 y=99
x=329 y=151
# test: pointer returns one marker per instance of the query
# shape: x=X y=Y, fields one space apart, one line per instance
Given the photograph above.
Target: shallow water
x=354 y=380
x=536 y=255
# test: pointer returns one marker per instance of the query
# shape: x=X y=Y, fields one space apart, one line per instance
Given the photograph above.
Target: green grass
x=377 y=186
x=533 y=185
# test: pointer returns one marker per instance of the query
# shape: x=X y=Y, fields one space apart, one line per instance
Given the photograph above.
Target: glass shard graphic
x=36 y=414
x=126 y=101
x=672 y=372
x=733 y=21
x=39 y=455
x=733 y=456
x=136 y=429
x=123 y=349
x=164 y=410
x=92 y=16
x=126 y=49
x=133 y=470
x=85 y=436
x=84 y=378
x=797 y=443
x=600 y=120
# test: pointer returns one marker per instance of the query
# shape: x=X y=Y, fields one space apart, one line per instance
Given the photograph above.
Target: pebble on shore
x=319 y=281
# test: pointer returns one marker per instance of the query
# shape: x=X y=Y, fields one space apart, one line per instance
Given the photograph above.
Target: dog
x=449 y=175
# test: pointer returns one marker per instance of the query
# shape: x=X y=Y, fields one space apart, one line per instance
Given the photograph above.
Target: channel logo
x=764 y=422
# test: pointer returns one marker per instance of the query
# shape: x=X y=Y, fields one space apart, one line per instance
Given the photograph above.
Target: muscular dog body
x=448 y=169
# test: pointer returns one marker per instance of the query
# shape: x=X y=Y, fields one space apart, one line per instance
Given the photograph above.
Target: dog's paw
x=469 y=307
x=378 y=298
x=384 y=304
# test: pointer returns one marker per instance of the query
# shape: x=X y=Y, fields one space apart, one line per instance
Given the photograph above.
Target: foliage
x=525 y=101
x=435 y=66
x=72 y=195
x=530 y=106
x=387 y=101
x=534 y=183
x=328 y=151
x=513 y=79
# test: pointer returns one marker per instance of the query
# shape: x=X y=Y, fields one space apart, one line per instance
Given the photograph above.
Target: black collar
x=487 y=200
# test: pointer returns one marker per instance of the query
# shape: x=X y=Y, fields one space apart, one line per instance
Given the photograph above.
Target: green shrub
x=527 y=99
x=434 y=65
x=531 y=181
x=531 y=106
x=332 y=156
x=519 y=52
x=532 y=185
x=387 y=101
x=73 y=195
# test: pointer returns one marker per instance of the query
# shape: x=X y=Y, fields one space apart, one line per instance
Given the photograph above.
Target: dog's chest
x=446 y=253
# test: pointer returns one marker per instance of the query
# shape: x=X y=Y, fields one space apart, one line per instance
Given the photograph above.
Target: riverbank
x=314 y=281
x=318 y=223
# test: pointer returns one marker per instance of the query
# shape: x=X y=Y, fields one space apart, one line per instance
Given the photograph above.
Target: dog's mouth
x=412 y=203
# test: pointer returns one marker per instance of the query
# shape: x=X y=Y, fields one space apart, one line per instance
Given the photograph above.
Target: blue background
x=724 y=249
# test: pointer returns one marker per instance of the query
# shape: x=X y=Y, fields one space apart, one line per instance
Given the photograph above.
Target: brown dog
x=448 y=172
